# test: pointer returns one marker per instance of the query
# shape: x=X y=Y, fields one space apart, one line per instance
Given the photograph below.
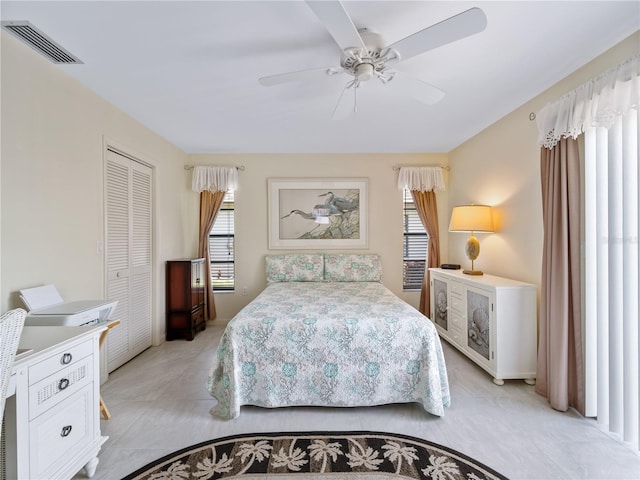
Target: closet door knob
x=66 y=430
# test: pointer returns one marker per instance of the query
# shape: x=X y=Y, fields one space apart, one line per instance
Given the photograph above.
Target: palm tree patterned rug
x=317 y=455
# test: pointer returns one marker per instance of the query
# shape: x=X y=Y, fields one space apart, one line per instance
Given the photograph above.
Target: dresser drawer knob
x=66 y=430
x=63 y=383
x=66 y=359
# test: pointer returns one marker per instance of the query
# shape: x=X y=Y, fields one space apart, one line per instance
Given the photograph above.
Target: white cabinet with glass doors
x=492 y=320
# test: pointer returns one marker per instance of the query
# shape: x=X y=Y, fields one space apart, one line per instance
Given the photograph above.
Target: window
x=606 y=109
x=221 y=247
x=415 y=244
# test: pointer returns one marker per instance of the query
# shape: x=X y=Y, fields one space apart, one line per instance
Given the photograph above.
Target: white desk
x=52 y=418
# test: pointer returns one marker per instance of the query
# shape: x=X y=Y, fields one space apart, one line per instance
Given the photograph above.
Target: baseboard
x=218 y=321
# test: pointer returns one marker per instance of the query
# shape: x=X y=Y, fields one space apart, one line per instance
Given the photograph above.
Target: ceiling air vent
x=39 y=41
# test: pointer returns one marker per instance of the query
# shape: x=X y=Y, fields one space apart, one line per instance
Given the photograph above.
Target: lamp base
x=473 y=272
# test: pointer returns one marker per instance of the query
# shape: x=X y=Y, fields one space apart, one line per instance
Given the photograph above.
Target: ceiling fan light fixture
x=364 y=71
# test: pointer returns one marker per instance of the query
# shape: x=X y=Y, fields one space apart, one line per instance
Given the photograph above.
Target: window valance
x=595 y=103
x=423 y=179
x=214 y=179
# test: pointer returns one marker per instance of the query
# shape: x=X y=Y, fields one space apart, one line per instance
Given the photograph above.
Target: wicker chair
x=11 y=324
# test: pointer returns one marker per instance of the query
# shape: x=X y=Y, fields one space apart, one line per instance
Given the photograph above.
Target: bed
x=326 y=332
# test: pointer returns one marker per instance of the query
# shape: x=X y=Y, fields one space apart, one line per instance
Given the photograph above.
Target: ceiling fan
x=365 y=54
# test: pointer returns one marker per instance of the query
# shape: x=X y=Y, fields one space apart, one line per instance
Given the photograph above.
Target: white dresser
x=492 y=320
x=52 y=419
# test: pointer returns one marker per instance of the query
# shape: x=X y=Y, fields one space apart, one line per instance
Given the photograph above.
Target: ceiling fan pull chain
x=355 y=99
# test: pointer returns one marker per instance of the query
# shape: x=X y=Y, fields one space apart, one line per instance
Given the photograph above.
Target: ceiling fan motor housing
x=363 y=64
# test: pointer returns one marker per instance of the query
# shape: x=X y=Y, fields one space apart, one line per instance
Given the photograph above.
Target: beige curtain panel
x=210 y=203
x=423 y=182
x=212 y=182
x=427 y=209
x=560 y=371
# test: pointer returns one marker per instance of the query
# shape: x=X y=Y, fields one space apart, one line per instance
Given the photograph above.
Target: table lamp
x=471 y=218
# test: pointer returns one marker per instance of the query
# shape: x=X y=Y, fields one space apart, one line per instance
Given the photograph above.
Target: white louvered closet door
x=128 y=256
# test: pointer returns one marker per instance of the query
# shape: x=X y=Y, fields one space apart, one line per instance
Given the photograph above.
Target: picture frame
x=317 y=213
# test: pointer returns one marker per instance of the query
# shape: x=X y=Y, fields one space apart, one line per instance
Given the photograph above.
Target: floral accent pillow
x=352 y=268
x=295 y=268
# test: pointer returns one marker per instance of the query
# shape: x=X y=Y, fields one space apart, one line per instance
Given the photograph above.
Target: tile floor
x=159 y=404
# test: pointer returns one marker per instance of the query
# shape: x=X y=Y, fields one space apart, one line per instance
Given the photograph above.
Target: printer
x=46 y=307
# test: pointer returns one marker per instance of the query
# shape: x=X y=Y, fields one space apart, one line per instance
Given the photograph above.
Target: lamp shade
x=471 y=218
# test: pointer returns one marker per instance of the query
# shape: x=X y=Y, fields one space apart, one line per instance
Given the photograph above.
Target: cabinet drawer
x=456 y=336
x=457 y=304
x=457 y=288
x=58 y=361
x=198 y=317
x=63 y=429
x=62 y=384
x=457 y=322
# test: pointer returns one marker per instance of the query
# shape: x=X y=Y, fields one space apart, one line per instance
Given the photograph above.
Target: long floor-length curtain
x=210 y=203
x=212 y=182
x=423 y=182
x=606 y=110
x=560 y=375
x=427 y=209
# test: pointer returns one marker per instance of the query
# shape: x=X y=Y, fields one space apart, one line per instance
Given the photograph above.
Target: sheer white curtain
x=214 y=179
x=422 y=179
x=606 y=110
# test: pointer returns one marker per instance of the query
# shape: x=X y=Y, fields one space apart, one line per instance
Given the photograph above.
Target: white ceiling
x=189 y=70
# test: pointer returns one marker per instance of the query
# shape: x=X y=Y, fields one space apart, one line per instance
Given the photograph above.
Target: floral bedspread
x=328 y=344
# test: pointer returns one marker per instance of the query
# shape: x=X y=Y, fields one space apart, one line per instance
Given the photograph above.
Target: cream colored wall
x=501 y=167
x=385 y=211
x=53 y=132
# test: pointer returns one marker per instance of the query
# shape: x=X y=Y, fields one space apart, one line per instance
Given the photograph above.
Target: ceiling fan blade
x=416 y=89
x=338 y=22
x=454 y=28
x=299 y=76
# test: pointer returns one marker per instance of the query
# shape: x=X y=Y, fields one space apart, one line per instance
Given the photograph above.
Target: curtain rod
x=396 y=168
x=240 y=167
